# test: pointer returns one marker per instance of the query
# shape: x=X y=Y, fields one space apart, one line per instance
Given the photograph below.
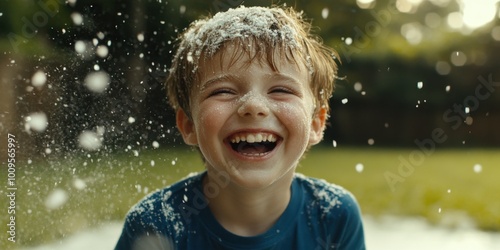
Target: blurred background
x=413 y=131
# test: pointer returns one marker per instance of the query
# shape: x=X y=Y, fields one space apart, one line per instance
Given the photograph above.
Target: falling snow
x=36 y=121
x=478 y=168
x=371 y=141
x=38 y=79
x=324 y=13
x=77 y=18
x=358 y=87
x=97 y=82
x=79 y=184
x=56 y=199
x=140 y=37
x=420 y=85
x=89 y=140
x=102 y=51
x=348 y=41
x=359 y=167
x=80 y=47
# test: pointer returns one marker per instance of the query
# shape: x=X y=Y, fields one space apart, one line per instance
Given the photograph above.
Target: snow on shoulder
x=153 y=208
x=328 y=196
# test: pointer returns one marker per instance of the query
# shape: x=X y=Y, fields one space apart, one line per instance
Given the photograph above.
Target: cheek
x=296 y=117
x=210 y=118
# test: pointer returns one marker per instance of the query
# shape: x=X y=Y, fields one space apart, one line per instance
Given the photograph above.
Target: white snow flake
x=89 y=140
x=478 y=168
x=38 y=79
x=36 y=121
x=359 y=167
x=420 y=85
x=97 y=82
x=56 y=199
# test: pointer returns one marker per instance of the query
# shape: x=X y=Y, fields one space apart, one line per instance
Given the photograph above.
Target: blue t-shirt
x=319 y=216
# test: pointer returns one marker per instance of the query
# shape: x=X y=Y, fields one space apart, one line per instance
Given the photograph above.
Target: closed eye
x=283 y=90
x=222 y=91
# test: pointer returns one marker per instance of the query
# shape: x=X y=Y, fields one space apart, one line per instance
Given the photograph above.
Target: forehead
x=237 y=56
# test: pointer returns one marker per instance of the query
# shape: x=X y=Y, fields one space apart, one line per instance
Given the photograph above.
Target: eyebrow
x=220 y=78
x=281 y=76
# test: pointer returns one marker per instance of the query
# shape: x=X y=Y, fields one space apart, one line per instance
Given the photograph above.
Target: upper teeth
x=252 y=138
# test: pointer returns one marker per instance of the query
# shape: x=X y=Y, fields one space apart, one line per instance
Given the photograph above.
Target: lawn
x=451 y=187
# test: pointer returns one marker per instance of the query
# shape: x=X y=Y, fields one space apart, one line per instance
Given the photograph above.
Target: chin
x=260 y=179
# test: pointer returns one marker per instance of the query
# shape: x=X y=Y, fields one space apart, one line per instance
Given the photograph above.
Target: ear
x=186 y=127
x=317 y=127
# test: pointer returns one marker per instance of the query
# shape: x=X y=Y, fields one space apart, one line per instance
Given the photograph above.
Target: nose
x=253 y=105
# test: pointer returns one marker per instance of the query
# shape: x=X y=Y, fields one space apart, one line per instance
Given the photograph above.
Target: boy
x=250 y=87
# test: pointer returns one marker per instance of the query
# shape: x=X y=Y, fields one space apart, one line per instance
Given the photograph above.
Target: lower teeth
x=256 y=154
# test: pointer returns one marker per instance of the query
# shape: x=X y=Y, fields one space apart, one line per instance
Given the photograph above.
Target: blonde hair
x=264 y=31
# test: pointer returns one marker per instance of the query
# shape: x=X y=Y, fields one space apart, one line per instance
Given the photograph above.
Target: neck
x=249 y=212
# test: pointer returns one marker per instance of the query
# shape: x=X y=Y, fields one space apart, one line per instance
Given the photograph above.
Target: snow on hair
x=270 y=30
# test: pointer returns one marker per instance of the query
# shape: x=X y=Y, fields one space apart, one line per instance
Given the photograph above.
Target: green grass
x=443 y=187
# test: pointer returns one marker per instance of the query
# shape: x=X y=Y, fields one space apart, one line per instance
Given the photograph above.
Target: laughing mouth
x=253 y=144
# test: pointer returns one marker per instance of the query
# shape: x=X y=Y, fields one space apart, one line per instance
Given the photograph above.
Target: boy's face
x=250 y=121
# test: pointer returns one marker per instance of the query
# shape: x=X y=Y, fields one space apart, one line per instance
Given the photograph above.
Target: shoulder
x=333 y=211
x=159 y=211
x=328 y=198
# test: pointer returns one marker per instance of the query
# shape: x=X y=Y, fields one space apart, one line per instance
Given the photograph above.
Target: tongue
x=251 y=148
